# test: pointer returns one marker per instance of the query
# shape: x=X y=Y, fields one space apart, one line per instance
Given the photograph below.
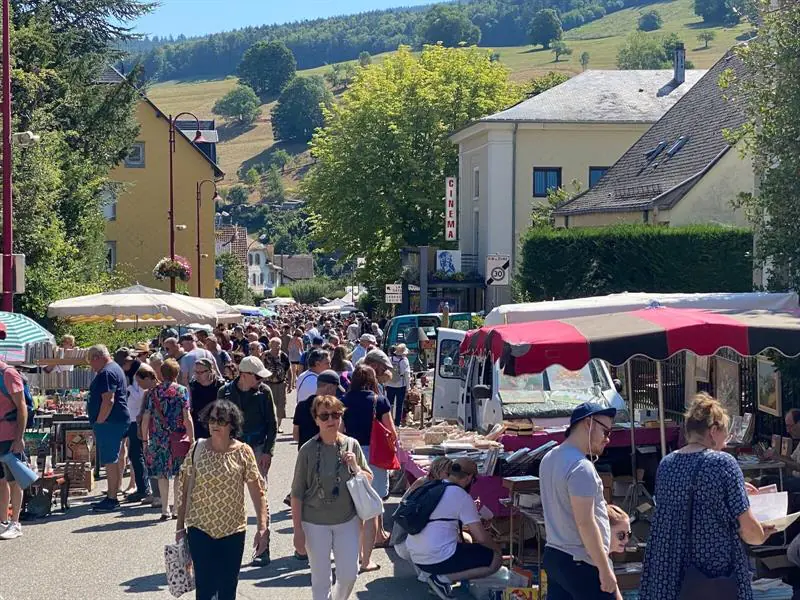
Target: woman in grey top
x=323 y=514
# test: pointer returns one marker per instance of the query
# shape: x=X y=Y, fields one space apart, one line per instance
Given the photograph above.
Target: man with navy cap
x=575 y=513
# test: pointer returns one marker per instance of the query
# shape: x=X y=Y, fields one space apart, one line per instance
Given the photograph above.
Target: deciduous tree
x=267 y=67
x=546 y=28
x=449 y=25
x=561 y=49
x=240 y=104
x=650 y=21
x=384 y=152
x=585 y=57
x=299 y=109
x=364 y=59
x=706 y=36
x=233 y=286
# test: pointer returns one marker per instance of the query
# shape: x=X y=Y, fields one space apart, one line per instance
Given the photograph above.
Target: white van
x=547 y=397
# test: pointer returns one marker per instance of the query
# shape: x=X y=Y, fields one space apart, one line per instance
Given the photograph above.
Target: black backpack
x=414 y=511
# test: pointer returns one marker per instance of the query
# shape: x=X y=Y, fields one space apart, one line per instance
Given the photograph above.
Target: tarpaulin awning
x=656 y=333
x=16 y=332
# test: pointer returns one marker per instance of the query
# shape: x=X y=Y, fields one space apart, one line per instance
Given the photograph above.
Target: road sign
x=394 y=293
x=497 y=266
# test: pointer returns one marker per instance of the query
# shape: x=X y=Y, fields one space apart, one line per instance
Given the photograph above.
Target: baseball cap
x=251 y=364
x=378 y=356
x=331 y=377
x=317 y=341
x=589 y=409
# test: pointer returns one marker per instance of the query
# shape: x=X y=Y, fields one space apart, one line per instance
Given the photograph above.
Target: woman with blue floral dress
x=721 y=515
x=167 y=415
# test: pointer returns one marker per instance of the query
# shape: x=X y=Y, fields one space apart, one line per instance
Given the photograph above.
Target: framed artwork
x=701 y=368
x=786 y=447
x=776 y=442
x=769 y=388
x=726 y=385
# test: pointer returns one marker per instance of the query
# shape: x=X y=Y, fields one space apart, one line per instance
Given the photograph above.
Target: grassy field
x=601 y=39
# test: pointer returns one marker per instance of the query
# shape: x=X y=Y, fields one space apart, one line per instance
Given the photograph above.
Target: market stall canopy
x=16 y=332
x=142 y=304
x=656 y=333
x=248 y=311
x=630 y=301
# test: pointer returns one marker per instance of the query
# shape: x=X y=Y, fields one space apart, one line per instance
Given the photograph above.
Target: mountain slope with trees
x=494 y=23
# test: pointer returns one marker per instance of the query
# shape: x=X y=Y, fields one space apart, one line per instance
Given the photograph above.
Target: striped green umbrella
x=19 y=332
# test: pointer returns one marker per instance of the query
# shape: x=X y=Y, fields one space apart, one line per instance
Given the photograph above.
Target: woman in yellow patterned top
x=215 y=522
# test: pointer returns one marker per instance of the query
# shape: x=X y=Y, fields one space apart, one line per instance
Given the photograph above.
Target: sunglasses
x=624 y=535
x=325 y=416
x=606 y=430
x=217 y=421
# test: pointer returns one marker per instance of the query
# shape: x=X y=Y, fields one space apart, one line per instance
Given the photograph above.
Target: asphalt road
x=80 y=555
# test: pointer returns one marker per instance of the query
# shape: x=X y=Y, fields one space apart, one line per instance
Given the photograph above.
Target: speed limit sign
x=497 y=266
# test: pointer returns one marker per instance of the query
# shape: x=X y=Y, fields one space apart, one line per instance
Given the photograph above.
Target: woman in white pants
x=323 y=514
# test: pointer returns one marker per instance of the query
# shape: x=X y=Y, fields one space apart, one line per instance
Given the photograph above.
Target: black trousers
x=570 y=580
x=137 y=460
x=216 y=564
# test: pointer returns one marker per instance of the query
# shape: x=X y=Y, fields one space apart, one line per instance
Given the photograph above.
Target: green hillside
x=601 y=39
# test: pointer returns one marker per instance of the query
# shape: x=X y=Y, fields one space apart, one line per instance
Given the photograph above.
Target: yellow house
x=137 y=220
x=682 y=171
x=572 y=132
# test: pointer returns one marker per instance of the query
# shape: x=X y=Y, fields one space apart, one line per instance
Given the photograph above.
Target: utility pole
x=8 y=209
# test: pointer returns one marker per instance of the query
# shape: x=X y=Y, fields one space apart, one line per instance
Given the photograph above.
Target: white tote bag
x=368 y=503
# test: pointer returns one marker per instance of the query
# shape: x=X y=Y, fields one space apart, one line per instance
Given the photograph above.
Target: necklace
x=335 y=491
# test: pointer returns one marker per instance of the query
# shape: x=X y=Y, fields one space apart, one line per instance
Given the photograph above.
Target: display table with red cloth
x=620 y=438
x=489 y=489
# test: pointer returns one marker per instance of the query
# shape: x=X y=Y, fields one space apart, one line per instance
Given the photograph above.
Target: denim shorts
x=108 y=437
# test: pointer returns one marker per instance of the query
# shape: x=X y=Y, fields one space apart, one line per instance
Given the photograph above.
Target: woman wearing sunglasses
x=215 y=522
x=323 y=513
x=620 y=529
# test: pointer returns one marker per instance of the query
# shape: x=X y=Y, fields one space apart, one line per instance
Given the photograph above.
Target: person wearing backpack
x=433 y=515
x=396 y=388
x=13 y=420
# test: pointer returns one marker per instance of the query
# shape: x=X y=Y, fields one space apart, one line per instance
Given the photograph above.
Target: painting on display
x=769 y=388
x=726 y=384
x=701 y=369
x=448 y=261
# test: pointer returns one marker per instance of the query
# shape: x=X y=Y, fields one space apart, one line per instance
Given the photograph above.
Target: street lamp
x=216 y=198
x=8 y=215
x=198 y=138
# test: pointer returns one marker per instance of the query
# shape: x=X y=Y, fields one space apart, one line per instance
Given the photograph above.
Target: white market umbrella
x=141 y=304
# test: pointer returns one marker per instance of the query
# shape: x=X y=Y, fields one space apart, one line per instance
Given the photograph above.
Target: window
x=476 y=231
x=261 y=279
x=450 y=366
x=135 y=158
x=476 y=183
x=253 y=279
x=545 y=179
x=111 y=256
x=250 y=259
x=595 y=173
x=258 y=259
x=109 y=199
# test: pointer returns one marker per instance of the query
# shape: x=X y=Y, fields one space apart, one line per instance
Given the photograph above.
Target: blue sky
x=198 y=17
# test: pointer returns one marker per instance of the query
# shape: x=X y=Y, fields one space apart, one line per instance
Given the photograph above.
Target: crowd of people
x=196 y=418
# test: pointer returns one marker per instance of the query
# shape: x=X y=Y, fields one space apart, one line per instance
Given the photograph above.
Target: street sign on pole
x=497 y=266
x=394 y=293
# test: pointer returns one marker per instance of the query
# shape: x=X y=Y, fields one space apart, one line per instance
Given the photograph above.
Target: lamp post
x=199 y=202
x=198 y=138
x=8 y=209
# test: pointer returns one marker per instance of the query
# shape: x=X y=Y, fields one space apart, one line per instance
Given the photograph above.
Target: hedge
x=575 y=263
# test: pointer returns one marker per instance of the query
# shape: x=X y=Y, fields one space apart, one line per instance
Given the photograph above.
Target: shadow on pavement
x=278 y=567
x=118 y=526
x=147 y=583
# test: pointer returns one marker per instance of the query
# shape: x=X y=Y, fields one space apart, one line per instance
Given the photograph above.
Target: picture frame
x=769 y=388
x=776 y=443
x=726 y=385
x=786 y=447
x=702 y=369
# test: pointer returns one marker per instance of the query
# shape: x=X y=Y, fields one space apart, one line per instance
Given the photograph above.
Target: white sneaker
x=12 y=532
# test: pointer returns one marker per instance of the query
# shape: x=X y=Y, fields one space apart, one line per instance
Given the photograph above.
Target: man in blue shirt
x=109 y=416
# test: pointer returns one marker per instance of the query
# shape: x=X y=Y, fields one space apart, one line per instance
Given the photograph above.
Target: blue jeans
x=396 y=396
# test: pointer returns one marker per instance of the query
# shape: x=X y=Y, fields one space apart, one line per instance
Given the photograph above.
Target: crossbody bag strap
x=192 y=478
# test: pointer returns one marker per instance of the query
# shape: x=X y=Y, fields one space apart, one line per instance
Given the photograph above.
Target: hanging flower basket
x=167 y=268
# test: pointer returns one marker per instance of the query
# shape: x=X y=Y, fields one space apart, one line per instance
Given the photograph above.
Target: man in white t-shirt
x=437 y=550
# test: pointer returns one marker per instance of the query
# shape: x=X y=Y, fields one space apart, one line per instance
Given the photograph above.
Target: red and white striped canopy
x=657 y=333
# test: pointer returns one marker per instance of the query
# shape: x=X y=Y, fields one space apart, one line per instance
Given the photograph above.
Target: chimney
x=679 y=63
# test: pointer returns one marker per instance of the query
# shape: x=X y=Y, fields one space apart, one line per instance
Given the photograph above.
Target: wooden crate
x=80 y=474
